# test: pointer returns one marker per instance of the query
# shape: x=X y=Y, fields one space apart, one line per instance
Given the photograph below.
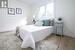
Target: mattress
x=32 y=34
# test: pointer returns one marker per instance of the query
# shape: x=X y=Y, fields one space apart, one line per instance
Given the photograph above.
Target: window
x=41 y=12
x=46 y=11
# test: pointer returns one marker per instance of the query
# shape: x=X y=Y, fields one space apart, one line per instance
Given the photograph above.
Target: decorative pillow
x=46 y=22
x=39 y=23
x=52 y=22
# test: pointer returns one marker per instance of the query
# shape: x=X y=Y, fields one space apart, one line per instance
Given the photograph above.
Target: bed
x=31 y=34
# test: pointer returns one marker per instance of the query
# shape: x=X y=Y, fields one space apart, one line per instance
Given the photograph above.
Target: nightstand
x=59 y=28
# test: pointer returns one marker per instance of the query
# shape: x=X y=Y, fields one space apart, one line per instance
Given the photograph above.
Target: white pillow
x=39 y=23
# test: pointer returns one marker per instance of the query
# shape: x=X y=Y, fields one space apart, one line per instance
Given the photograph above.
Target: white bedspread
x=31 y=34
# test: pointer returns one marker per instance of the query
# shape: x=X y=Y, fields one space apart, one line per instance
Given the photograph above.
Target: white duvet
x=31 y=34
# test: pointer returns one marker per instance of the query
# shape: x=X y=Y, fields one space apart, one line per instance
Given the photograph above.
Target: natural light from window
x=46 y=11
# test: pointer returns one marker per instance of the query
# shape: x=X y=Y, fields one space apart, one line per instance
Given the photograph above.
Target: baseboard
x=8 y=31
x=63 y=35
x=70 y=36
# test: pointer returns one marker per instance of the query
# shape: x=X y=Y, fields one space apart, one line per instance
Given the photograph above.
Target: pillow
x=51 y=22
x=46 y=22
x=39 y=23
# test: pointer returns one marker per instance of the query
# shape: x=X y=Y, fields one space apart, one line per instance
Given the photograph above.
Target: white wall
x=9 y=22
x=66 y=10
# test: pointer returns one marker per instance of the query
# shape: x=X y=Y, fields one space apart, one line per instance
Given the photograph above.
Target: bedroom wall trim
x=11 y=31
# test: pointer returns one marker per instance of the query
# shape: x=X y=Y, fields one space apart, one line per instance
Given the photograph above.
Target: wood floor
x=9 y=41
x=67 y=43
x=54 y=42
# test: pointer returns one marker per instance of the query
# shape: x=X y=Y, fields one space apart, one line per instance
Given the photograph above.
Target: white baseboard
x=13 y=31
